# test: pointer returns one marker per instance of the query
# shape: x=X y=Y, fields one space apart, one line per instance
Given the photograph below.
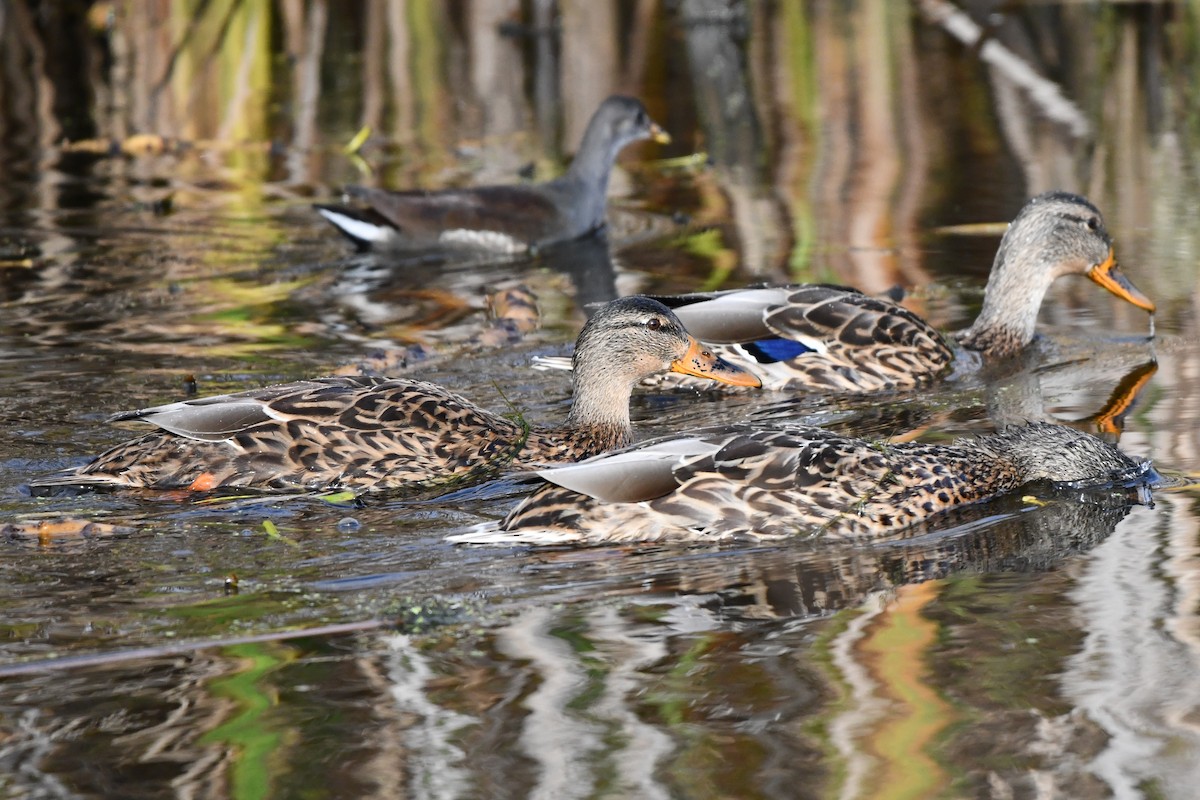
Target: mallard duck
x=508 y=218
x=758 y=482
x=834 y=339
x=367 y=433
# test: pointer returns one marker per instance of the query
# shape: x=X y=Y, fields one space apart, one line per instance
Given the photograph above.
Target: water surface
x=1028 y=648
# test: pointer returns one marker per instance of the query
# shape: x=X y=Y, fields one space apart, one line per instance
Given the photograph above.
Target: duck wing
x=817 y=337
x=220 y=417
x=350 y=431
x=498 y=218
x=857 y=343
x=729 y=317
x=633 y=475
x=572 y=506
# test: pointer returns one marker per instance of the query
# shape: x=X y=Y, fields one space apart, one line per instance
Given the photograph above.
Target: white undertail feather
x=357 y=228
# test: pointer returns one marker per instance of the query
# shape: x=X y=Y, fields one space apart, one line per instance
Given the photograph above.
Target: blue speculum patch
x=766 y=351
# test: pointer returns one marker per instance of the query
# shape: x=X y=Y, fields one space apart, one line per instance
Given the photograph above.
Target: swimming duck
x=834 y=339
x=369 y=433
x=509 y=218
x=750 y=482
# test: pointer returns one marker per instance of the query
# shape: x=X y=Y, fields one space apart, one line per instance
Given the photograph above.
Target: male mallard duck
x=835 y=339
x=367 y=433
x=503 y=218
x=757 y=482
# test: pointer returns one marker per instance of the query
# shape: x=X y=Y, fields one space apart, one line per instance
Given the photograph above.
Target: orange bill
x=702 y=363
x=1107 y=274
x=658 y=134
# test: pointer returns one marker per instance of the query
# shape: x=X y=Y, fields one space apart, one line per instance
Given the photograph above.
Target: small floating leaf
x=346 y=497
x=145 y=144
x=47 y=531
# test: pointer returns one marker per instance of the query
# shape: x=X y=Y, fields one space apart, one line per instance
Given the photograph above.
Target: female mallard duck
x=508 y=218
x=756 y=482
x=834 y=339
x=367 y=433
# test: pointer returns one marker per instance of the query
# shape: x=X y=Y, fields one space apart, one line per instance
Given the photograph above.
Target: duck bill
x=1107 y=274
x=701 y=363
x=658 y=134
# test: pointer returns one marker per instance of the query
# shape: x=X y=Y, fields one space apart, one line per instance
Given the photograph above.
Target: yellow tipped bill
x=658 y=134
x=702 y=363
x=1107 y=274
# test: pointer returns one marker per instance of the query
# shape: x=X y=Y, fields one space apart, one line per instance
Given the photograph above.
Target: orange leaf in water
x=48 y=531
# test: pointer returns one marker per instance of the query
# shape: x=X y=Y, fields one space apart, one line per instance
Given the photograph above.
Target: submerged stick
x=178 y=648
x=1045 y=93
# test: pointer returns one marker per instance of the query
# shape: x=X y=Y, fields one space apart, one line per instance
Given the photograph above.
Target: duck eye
x=1093 y=224
x=654 y=323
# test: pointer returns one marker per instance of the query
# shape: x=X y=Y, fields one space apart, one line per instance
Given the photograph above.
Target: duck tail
x=69 y=483
x=366 y=228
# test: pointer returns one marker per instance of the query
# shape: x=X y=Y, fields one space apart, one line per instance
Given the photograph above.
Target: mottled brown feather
x=366 y=433
x=862 y=344
x=754 y=482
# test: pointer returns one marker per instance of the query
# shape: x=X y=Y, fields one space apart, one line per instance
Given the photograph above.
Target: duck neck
x=1011 y=301
x=591 y=168
x=594 y=159
x=601 y=404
